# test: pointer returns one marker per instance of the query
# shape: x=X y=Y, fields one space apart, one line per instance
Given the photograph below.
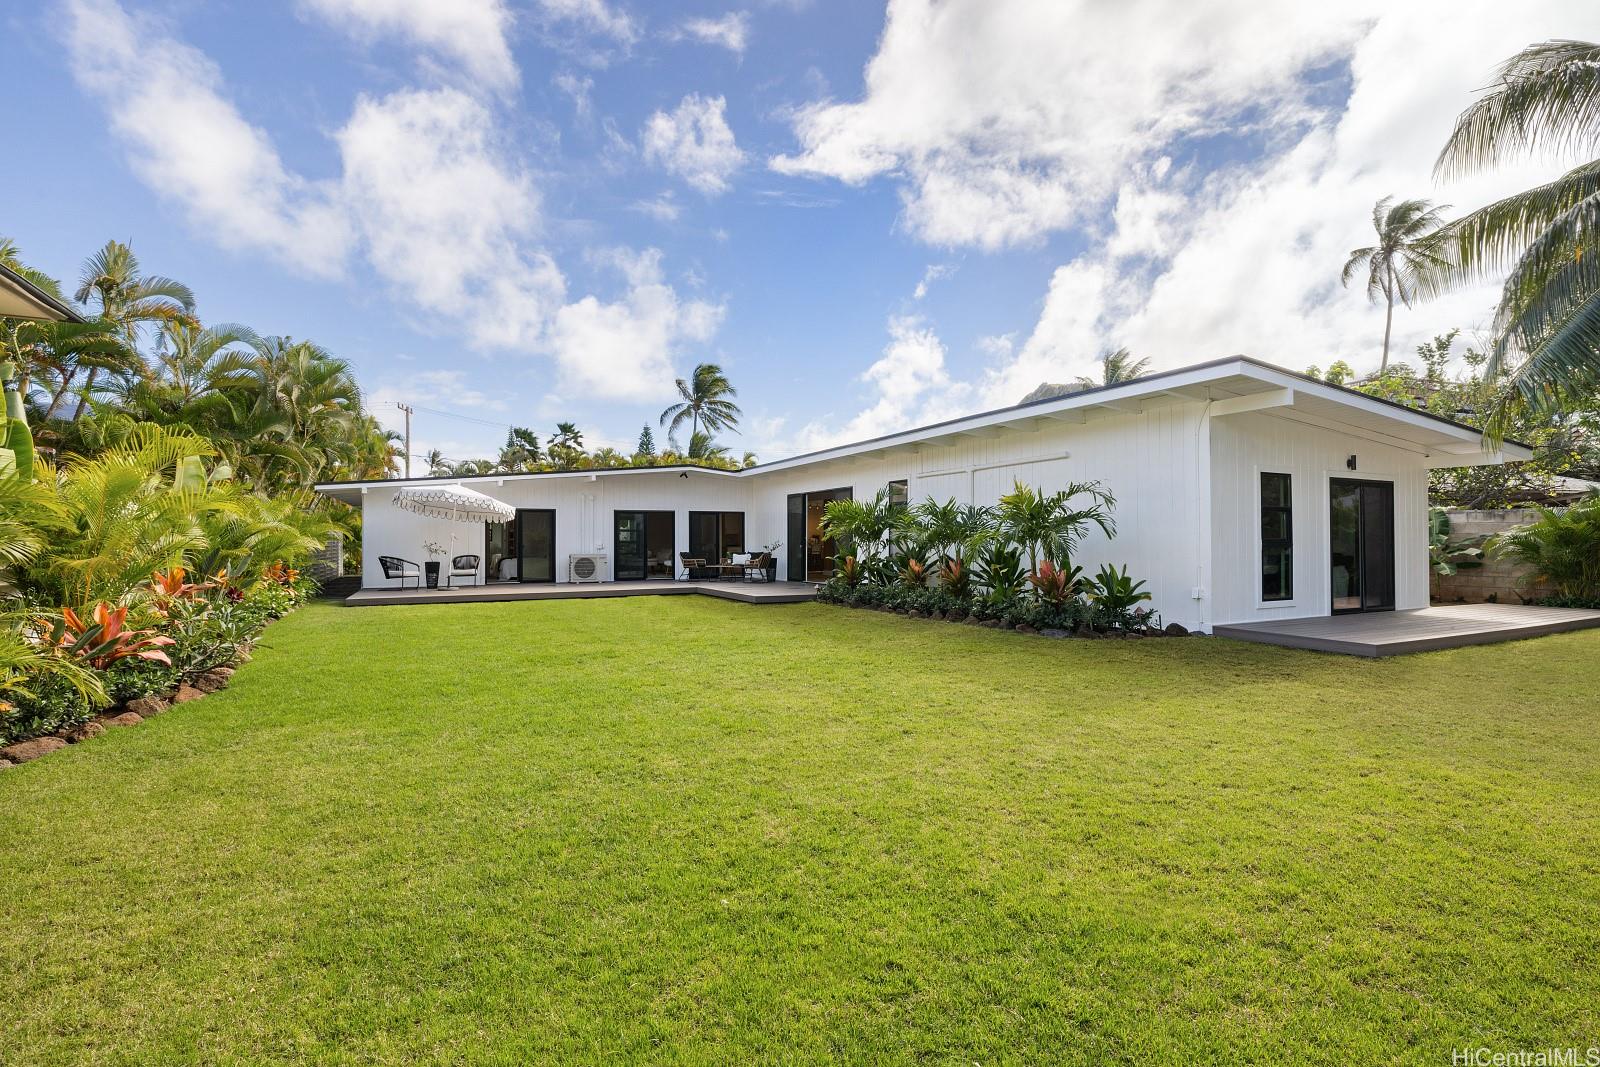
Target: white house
x=1244 y=493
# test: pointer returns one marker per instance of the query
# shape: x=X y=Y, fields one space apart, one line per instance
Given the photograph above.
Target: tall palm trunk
x=1388 y=322
x=66 y=383
x=83 y=397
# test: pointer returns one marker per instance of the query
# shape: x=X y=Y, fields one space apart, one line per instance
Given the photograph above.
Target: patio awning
x=453 y=502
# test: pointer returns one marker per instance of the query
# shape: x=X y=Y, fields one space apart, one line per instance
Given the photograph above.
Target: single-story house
x=1244 y=493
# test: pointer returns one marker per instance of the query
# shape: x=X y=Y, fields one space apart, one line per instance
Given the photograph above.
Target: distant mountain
x=1046 y=390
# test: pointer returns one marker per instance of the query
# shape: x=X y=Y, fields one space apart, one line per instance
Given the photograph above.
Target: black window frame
x=1281 y=548
x=904 y=499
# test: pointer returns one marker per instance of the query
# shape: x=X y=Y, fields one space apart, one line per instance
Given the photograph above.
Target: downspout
x=1202 y=510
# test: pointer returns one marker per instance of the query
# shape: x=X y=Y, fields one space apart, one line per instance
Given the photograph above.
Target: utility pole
x=407 y=409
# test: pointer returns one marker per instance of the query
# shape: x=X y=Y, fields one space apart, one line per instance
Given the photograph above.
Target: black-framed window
x=715 y=535
x=1277 y=537
x=900 y=493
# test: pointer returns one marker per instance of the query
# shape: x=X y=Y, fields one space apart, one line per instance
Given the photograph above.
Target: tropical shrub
x=102 y=637
x=52 y=703
x=975 y=558
x=999 y=571
x=1115 y=597
x=40 y=691
x=1446 y=555
x=1561 y=547
x=1047 y=525
x=1055 y=584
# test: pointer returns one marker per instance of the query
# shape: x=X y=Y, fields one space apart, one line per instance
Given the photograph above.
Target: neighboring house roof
x=1235 y=384
x=21 y=299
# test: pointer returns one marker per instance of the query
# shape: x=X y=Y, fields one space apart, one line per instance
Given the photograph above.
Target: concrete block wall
x=328 y=562
x=1500 y=580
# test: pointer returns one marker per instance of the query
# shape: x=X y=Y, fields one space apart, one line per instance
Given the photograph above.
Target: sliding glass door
x=1361 y=542
x=536 y=544
x=810 y=553
x=714 y=536
x=644 y=545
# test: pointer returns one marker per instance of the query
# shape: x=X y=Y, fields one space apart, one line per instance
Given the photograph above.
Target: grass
x=687 y=831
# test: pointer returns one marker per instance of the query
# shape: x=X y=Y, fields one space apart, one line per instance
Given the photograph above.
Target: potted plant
x=431 y=568
x=772 y=559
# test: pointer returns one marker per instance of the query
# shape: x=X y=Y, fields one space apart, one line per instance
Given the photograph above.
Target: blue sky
x=518 y=211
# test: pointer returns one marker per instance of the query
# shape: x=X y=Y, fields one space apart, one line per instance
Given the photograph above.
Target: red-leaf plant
x=102 y=639
x=173 y=584
x=1054 y=583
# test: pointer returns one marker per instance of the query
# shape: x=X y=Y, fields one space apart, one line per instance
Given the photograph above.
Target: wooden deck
x=743 y=592
x=1395 y=633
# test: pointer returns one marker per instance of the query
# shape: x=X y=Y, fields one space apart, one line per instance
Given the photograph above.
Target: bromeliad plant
x=1115 y=596
x=103 y=638
x=1000 y=571
x=1055 y=584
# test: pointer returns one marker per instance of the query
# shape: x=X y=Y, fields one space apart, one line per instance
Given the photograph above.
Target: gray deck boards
x=743 y=592
x=1395 y=633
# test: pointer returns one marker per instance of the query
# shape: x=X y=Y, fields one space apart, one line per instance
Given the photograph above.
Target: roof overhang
x=352 y=492
x=21 y=299
x=1226 y=387
x=1221 y=389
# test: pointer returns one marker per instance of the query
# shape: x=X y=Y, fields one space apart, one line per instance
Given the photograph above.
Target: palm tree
x=11 y=258
x=1117 y=366
x=705 y=403
x=112 y=277
x=1048 y=526
x=438 y=466
x=703 y=448
x=566 y=445
x=1399 y=266
x=1546 y=97
x=521 y=450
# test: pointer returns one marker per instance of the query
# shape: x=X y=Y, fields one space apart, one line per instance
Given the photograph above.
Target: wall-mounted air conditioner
x=586 y=567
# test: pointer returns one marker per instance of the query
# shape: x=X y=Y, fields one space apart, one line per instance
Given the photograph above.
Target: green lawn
x=681 y=830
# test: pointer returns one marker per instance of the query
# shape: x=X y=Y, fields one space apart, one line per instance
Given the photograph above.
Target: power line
x=466 y=418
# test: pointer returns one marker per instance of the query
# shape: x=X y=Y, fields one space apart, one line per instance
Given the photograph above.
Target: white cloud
x=592 y=16
x=223 y=171
x=446 y=218
x=1005 y=119
x=472 y=33
x=1246 y=259
x=1002 y=121
x=663 y=208
x=731 y=31
x=438 y=203
x=578 y=88
x=694 y=142
x=935 y=272
x=624 y=348
x=911 y=387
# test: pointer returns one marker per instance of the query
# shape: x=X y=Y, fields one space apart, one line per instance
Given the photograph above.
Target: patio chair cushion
x=464 y=565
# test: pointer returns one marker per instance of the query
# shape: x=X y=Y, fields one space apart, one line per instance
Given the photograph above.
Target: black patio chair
x=396 y=568
x=463 y=567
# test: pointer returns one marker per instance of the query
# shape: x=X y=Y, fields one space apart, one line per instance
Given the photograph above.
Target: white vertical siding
x=1243 y=446
x=1185 y=485
x=585 y=514
x=1148 y=461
